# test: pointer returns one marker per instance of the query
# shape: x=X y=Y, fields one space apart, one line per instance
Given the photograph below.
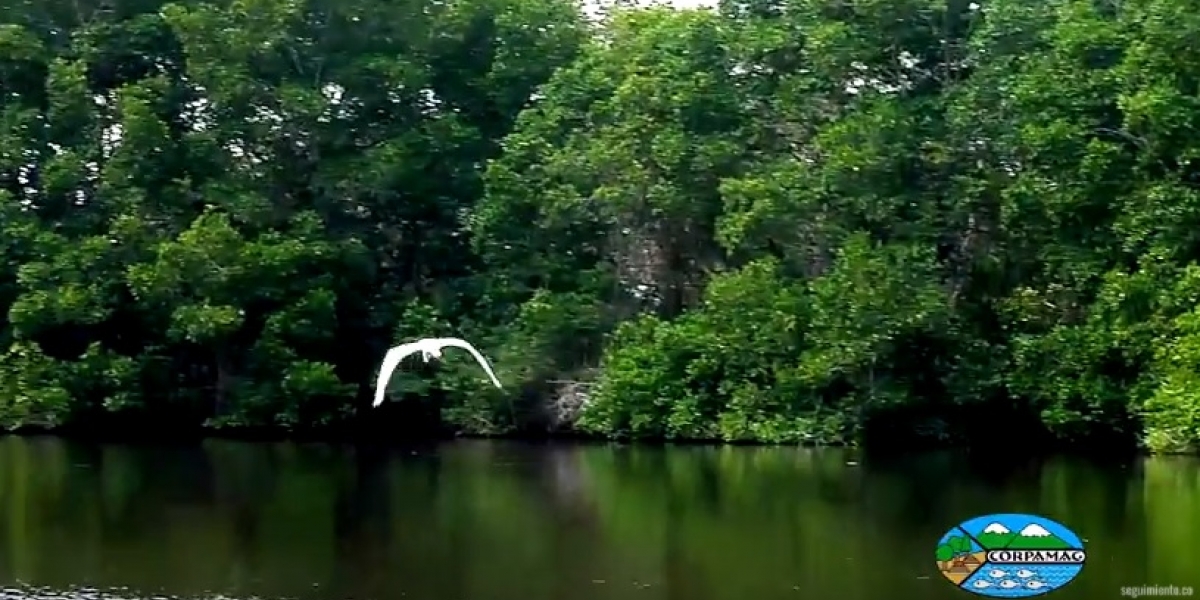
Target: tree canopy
x=775 y=221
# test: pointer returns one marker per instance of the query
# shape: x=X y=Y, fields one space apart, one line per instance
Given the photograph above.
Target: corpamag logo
x=1010 y=555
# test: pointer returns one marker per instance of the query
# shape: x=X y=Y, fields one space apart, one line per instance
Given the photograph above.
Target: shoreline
x=374 y=436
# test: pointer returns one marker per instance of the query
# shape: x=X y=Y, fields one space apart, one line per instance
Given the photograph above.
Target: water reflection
x=499 y=521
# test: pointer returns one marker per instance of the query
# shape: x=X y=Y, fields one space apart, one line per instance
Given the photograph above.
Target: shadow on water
x=500 y=521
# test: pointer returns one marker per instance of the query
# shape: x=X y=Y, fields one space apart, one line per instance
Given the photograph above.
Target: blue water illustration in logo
x=1010 y=555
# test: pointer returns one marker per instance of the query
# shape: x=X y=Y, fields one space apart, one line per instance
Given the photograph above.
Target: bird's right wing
x=457 y=343
x=391 y=360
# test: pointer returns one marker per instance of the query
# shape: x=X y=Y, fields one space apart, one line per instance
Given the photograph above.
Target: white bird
x=429 y=348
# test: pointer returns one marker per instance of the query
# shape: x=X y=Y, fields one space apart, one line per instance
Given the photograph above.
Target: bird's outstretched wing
x=391 y=360
x=457 y=343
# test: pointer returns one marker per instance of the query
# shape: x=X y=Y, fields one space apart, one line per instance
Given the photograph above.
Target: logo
x=1010 y=555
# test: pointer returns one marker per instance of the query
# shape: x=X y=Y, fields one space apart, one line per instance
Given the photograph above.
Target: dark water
x=501 y=521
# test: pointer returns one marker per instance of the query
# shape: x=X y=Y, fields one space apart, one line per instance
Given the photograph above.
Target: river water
x=510 y=521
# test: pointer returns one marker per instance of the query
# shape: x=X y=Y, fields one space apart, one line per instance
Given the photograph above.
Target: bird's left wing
x=457 y=343
x=391 y=360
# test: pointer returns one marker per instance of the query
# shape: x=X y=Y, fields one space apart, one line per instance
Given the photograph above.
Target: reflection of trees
x=242 y=476
x=14 y=496
x=1171 y=492
x=495 y=521
x=363 y=499
x=677 y=576
x=567 y=478
x=739 y=545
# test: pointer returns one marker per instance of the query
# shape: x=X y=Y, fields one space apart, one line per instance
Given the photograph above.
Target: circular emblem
x=1010 y=555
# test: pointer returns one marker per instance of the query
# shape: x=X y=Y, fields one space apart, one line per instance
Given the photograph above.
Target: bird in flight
x=429 y=348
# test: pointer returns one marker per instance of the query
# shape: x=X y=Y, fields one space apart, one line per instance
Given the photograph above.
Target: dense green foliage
x=789 y=220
